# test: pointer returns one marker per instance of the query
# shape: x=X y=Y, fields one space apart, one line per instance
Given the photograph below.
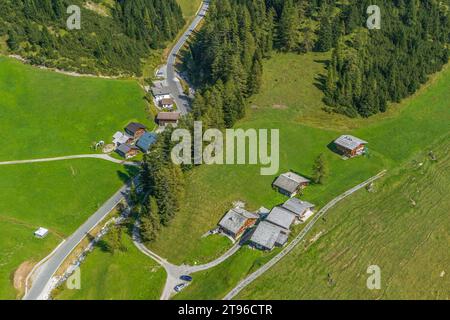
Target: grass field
x=408 y=242
x=189 y=7
x=45 y=114
x=392 y=137
x=18 y=246
x=128 y=275
x=289 y=100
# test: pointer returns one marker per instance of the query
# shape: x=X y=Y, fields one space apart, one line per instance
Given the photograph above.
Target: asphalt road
x=43 y=275
x=181 y=100
x=244 y=283
x=41 y=280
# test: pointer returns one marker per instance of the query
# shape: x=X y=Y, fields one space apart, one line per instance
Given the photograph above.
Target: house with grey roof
x=281 y=217
x=301 y=209
x=290 y=184
x=267 y=235
x=160 y=92
x=350 y=146
x=127 y=151
x=236 y=221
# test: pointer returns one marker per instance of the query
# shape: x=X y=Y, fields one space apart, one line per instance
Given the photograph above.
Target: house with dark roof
x=281 y=217
x=165 y=118
x=236 y=221
x=146 y=141
x=268 y=235
x=127 y=151
x=135 y=130
x=290 y=184
x=350 y=146
x=301 y=209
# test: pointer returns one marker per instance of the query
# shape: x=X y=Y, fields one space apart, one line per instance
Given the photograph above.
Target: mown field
x=403 y=228
x=45 y=114
x=286 y=106
x=290 y=100
x=122 y=275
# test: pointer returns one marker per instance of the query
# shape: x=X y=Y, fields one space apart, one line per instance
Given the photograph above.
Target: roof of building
x=117 y=135
x=125 y=148
x=169 y=116
x=133 y=127
x=281 y=217
x=121 y=138
x=297 y=206
x=282 y=239
x=41 y=232
x=349 y=142
x=167 y=101
x=290 y=181
x=266 y=234
x=160 y=91
x=235 y=219
x=146 y=141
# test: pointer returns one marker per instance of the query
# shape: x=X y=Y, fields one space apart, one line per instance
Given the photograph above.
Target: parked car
x=186 y=278
x=180 y=287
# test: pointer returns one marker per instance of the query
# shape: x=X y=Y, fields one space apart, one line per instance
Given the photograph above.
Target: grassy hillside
x=403 y=228
x=44 y=114
x=18 y=247
x=128 y=275
x=189 y=7
x=290 y=101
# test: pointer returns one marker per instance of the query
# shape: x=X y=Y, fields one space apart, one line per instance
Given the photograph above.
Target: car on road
x=180 y=287
x=186 y=278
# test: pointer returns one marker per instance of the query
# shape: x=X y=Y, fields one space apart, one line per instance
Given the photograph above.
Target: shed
x=41 y=233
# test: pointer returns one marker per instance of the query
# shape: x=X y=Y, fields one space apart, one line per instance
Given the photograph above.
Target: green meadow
x=122 y=275
x=403 y=228
x=45 y=114
x=291 y=101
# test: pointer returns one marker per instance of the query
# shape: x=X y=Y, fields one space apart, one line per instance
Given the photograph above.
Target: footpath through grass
x=403 y=228
x=290 y=100
x=45 y=114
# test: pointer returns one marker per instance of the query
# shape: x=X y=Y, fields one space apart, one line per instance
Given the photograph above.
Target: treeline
x=225 y=58
x=113 y=40
x=161 y=184
x=368 y=68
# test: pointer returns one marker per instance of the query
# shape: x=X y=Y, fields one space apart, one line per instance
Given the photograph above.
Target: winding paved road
x=81 y=156
x=174 y=272
x=43 y=275
x=181 y=100
x=244 y=283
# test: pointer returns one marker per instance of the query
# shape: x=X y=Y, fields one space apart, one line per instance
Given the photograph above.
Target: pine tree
x=320 y=169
